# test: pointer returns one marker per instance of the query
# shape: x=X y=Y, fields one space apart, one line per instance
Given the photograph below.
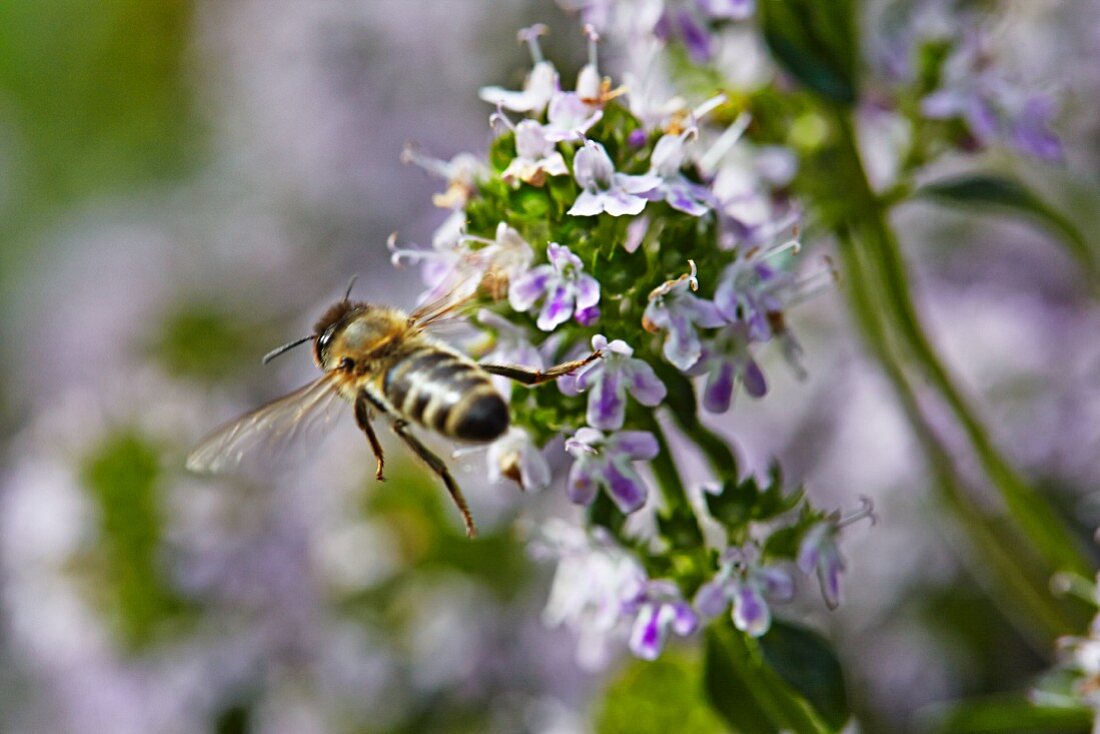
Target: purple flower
x=536 y=157
x=569 y=118
x=604 y=189
x=511 y=346
x=541 y=83
x=676 y=311
x=748 y=585
x=727 y=9
x=563 y=284
x=819 y=550
x=675 y=188
x=994 y=109
x=595 y=582
x=608 y=379
x=660 y=610
x=514 y=456
x=726 y=361
x=461 y=173
x=608 y=462
x=751 y=290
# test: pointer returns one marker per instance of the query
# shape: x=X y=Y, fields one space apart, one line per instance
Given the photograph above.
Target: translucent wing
x=453 y=304
x=267 y=429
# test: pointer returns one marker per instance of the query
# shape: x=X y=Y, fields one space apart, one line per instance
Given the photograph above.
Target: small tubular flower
x=674 y=309
x=515 y=457
x=660 y=610
x=726 y=361
x=604 y=189
x=675 y=188
x=608 y=462
x=820 y=552
x=541 y=84
x=608 y=379
x=562 y=286
x=748 y=585
x=536 y=157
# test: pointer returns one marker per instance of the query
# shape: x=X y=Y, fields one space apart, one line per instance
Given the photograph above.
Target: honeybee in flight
x=383 y=361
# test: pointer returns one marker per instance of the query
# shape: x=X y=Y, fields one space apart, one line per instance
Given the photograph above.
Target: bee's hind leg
x=362 y=417
x=401 y=428
x=530 y=377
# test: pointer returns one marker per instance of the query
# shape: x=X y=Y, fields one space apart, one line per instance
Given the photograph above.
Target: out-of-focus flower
x=750 y=289
x=608 y=379
x=461 y=174
x=994 y=109
x=458 y=269
x=563 y=286
x=674 y=309
x=675 y=188
x=661 y=609
x=820 y=553
x=725 y=361
x=608 y=461
x=605 y=189
x=536 y=157
x=514 y=456
x=511 y=346
x=541 y=84
x=746 y=583
x=594 y=581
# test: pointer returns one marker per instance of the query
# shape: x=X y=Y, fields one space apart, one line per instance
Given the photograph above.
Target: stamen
x=710 y=160
x=530 y=36
x=665 y=288
x=593 y=41
x=501 y=118
x=709 y=106
x=866 y=509
x=411 y=154
x=760 y=253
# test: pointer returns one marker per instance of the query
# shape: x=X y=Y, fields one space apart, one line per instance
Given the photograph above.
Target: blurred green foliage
x=93 y=99
x=656 y=697
x=123 y=476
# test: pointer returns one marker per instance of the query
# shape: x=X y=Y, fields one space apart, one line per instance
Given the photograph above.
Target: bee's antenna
x=287 y=347
x=351 y=284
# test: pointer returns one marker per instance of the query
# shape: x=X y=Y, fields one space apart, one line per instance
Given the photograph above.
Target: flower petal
x=607 y=402
x=645 y=386
x=638 y=445
x=557 y=309
x=588 y=291
x=588 y=204
x=712 y=598
x=582 y=481
x=626 y=488
x=750 y=611
x=525 y=290
x=684 y=620
x=648 y=635
x=617 y=203
x=719 y=389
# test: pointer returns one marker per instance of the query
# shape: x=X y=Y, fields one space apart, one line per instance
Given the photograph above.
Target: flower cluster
x=662 y=245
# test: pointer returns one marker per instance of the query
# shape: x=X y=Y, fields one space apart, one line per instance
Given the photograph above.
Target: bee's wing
x=266 y=429
x=453 y=303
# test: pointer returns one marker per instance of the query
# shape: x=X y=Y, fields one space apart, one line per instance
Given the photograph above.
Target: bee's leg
x=528 y=376
x=400 y=427
x=362 y=417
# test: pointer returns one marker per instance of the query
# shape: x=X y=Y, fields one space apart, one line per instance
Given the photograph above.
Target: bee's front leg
x=436 y=464
x=530 y=377
x=362 y=417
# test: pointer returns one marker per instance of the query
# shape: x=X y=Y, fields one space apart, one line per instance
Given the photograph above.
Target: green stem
x=1036 y=519
x=1035 y=613
x=664 y=469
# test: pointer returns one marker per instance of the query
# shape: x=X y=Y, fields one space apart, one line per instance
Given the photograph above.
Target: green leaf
x=991 y=191
x=747 y=692
x=1006 y=714
x=728 y=692
x=657 y=697
x=806 y=661
x=816 y=42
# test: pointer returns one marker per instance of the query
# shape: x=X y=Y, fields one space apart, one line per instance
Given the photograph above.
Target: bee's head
x=331 y=324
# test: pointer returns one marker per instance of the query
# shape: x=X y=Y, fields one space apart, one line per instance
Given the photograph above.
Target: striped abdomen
x=447 y=393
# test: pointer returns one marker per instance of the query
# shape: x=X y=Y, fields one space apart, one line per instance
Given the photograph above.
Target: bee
x=384 y=362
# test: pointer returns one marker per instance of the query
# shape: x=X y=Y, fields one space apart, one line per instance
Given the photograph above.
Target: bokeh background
x=185 y=184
